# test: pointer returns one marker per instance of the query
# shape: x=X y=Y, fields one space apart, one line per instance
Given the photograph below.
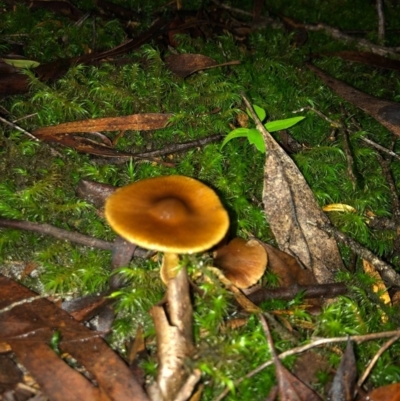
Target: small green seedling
x=254 y=136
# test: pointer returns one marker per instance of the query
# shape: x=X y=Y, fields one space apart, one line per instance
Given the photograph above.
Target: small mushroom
x=172 y=214
x=242 y=262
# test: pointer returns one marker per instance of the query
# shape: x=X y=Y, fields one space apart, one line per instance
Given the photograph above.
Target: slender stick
x=313 y=344
x=57 y=233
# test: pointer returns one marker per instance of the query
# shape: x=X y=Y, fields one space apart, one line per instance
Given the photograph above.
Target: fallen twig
x=375 y=359
x=313 y=344
x=387 y=272
x=18 y=128
x=57 y=233
x=329 y=290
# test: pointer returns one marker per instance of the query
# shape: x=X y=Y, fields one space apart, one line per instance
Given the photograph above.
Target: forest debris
x=287 y=268
x=174 y=333
x=186 y=64
x=290 y=387
x=30 y=327
x=367 y=58
x=329 y=290
x=384 y=111
x=309 y=364
x=389 y=275
x=86 y=307
x=374 y=361
x=289 y=205
x=135 y=122
x=16 y=83
x=56 y=232
x=379 y=286
x=391 y=392
x=94 y=192
x=66 y=134
x=345 y=377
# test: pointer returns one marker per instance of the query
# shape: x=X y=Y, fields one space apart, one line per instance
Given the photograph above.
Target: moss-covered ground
x=38 y=185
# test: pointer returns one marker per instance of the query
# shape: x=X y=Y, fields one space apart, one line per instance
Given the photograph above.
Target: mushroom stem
x=169 y=267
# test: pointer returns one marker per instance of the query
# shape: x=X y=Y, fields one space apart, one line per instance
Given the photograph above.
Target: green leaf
x=277 y=125
x=261 y=114
x=255 y=138
x=236 y=133
x=17 y=63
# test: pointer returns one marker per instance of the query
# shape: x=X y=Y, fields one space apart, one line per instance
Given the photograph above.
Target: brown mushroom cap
x=174 y=214
x=242 y=262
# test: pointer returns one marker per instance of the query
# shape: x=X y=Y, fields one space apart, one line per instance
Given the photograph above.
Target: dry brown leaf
x=384 y=111
x=287 y=268
x=344 y=382
x=184 y=65
x=66 y=134
x=290 y=387
x=390 y=392
x=137 y=122
x=292 y=211
x=29 y=328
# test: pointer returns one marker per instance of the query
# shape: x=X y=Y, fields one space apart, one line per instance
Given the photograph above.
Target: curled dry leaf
x=184 y=65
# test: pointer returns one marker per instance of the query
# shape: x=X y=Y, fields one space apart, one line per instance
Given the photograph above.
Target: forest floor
x=151 y=91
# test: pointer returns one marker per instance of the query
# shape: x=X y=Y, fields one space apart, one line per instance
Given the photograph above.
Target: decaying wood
x=174 y=334
x=289 y=205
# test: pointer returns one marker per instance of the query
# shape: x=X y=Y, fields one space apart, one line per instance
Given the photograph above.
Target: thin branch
x=56 y=232
x=387 y=272
x=329 y=290
x=331 y=31
x=379 y=147
x=180 y=147
x=313 y=344
x=17 y=127
x=363 y=43
x=381 y=21
x=166 y=150
x=375 y=359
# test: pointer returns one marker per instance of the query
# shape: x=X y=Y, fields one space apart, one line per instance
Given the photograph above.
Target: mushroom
x=173 y=214
x=242 y=262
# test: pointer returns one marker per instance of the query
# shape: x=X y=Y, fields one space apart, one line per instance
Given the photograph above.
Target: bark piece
x=174 y=335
